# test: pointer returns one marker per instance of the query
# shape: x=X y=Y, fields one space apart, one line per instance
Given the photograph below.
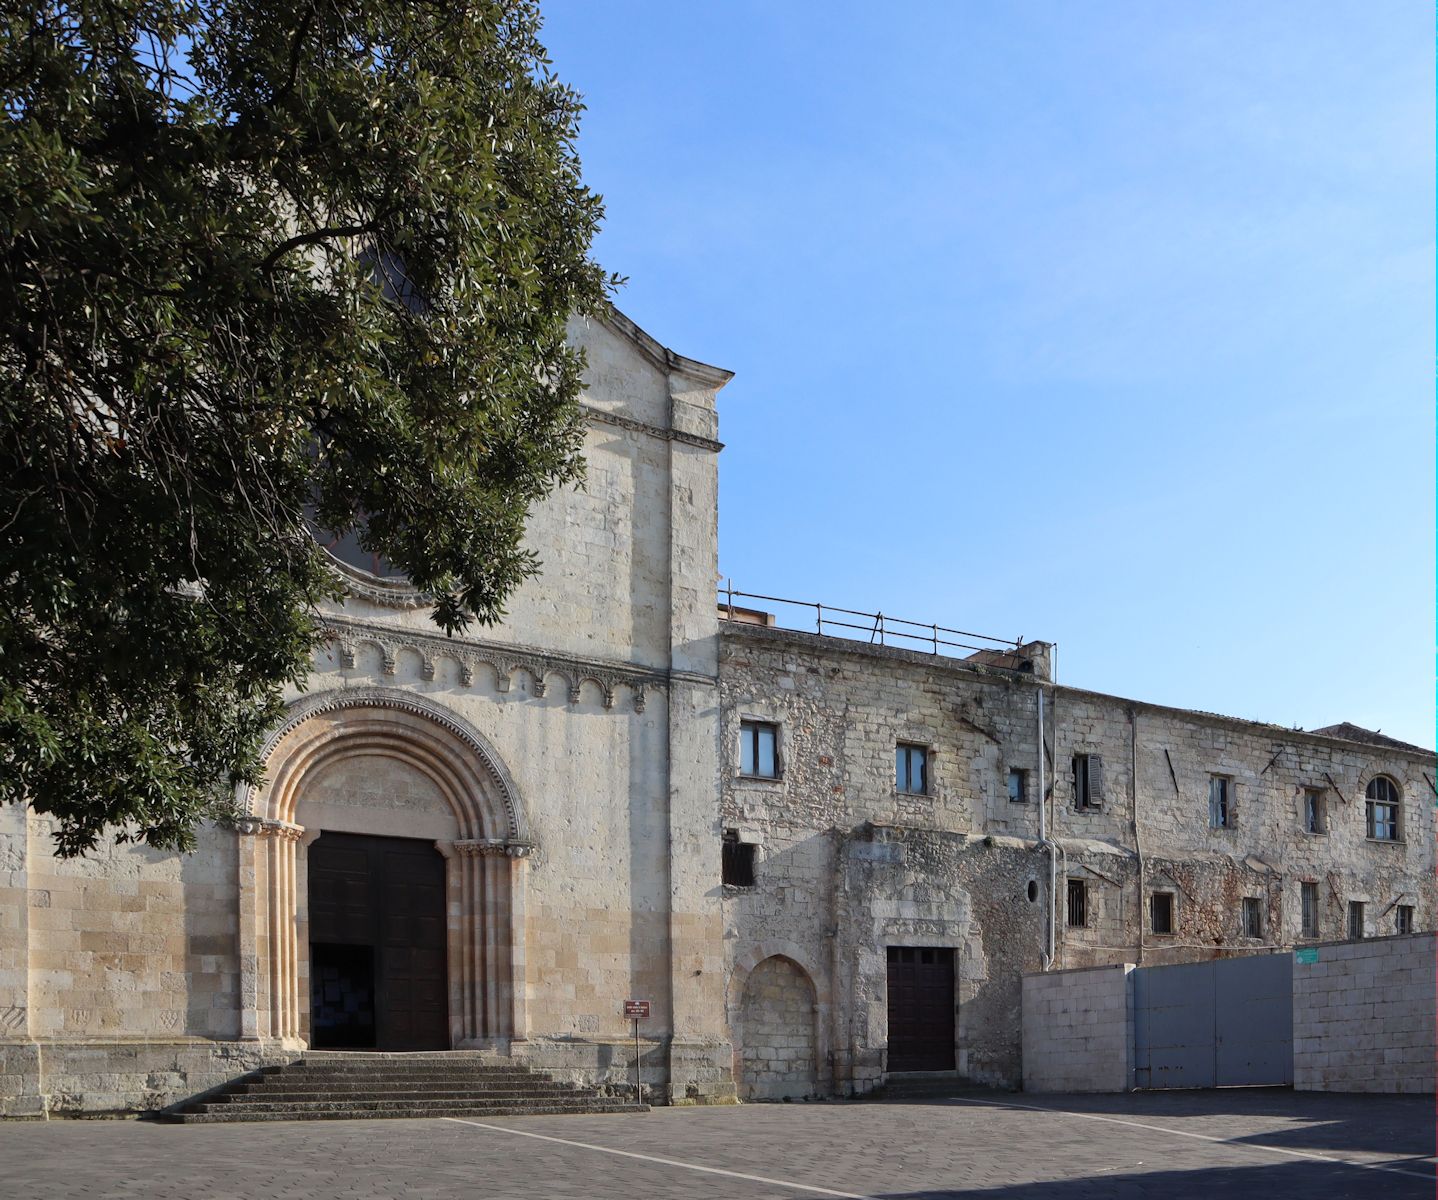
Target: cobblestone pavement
x=1228 y=1144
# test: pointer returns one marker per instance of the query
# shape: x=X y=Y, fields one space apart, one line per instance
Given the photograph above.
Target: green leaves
x=195 y=347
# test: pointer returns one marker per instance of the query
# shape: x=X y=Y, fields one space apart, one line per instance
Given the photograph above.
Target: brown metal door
x=921 y=1008
x=377 y=944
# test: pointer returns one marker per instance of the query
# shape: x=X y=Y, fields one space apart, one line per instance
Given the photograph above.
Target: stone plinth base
x=115 y=1077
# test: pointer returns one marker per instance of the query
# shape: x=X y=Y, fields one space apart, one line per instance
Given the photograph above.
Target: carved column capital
x=492 y=848
x=259 y=827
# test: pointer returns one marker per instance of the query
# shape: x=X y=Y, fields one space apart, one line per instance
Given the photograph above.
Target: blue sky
x=1105 y=323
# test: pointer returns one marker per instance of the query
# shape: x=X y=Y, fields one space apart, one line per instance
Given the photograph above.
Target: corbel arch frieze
x=393 y=647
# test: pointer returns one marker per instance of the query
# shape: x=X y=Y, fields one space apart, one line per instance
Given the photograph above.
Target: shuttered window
x=1088 y=781
x=1220 y=802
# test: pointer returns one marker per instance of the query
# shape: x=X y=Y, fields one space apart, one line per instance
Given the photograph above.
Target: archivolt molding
x=392 y=593
x=348 y=637
x=460 y=760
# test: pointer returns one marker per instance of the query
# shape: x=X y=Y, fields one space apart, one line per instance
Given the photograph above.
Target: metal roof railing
x=877 y=628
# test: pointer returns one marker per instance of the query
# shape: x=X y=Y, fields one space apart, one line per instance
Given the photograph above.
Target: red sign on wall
x=636 y=1010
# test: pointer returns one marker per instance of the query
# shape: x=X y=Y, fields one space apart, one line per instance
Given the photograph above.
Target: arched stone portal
x=776 y=1035
x=336 y=764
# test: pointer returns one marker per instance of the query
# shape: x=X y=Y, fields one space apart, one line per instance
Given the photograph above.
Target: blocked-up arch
x=776 y=1031
x=484 y=848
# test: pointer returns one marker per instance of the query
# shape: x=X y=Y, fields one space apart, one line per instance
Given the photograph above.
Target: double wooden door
x=378 y=971
x=921 y=1008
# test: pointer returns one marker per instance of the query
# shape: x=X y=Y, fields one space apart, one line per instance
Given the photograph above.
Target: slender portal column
x=273 y=927
x=485 y=876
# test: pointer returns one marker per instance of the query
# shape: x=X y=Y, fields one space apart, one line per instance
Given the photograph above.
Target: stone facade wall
x=597 y=699
x=1078 y=1030
x=1363 y=1017
x=847 y=865
x=776 y=1024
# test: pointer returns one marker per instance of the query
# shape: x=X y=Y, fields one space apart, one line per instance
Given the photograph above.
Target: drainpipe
x=1047 y=846
x=1133 y=795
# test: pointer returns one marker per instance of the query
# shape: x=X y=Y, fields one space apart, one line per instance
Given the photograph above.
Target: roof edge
x=660 y=355
x=959 y=665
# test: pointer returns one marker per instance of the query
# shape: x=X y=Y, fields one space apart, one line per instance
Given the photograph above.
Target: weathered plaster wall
x=847 y=865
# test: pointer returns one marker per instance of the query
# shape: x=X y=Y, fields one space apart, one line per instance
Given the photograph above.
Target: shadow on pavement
x=1398 y=1127
x=1283 y=1181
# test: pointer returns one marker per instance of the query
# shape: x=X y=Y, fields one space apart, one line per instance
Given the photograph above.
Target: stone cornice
x=663 y=357
x=348 y=635
x=668 y=435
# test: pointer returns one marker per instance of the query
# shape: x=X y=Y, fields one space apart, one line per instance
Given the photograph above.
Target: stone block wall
x=1363 y=1017
x=847 y=864
x=777 y=1032
x=597 y=695
x=1078 y=1030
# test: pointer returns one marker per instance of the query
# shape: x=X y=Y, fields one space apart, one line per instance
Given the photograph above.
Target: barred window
x=738 y=860
x=1309 y=893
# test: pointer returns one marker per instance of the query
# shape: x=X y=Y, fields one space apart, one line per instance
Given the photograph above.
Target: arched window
x=1385 y=804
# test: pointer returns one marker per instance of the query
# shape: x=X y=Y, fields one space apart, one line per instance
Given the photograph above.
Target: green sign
x=1309 y=954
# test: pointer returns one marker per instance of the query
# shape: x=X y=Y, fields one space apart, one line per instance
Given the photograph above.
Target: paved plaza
x=1229 y=1144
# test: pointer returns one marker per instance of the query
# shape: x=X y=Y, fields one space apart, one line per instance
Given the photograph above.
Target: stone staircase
x=920 y=1086
x=337 y=1086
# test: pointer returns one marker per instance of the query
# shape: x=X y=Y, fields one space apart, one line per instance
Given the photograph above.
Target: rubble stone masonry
x=847 y=865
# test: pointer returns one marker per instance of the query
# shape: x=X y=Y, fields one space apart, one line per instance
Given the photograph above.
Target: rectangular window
x=1313 y=816
x=1252 y=917
x=911 y=769
x=1077 y=903
x=1383 y=820
x=1088 y=781
x=758 y=749
x=738 y=862
x=1310 y=909
x=1355 y=919
x=1018 y=785
x=1403 y=919
x=1220 y=802
x=1160 y=912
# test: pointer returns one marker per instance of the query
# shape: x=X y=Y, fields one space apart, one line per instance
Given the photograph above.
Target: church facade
x=820 y=862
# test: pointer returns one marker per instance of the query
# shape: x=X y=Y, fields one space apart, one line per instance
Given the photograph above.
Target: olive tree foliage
x=261 y=259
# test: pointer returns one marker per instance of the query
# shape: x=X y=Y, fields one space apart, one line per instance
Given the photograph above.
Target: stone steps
x=397 y=1113
x=373 y=1106
x=328 y=1086
x=346 y=1083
